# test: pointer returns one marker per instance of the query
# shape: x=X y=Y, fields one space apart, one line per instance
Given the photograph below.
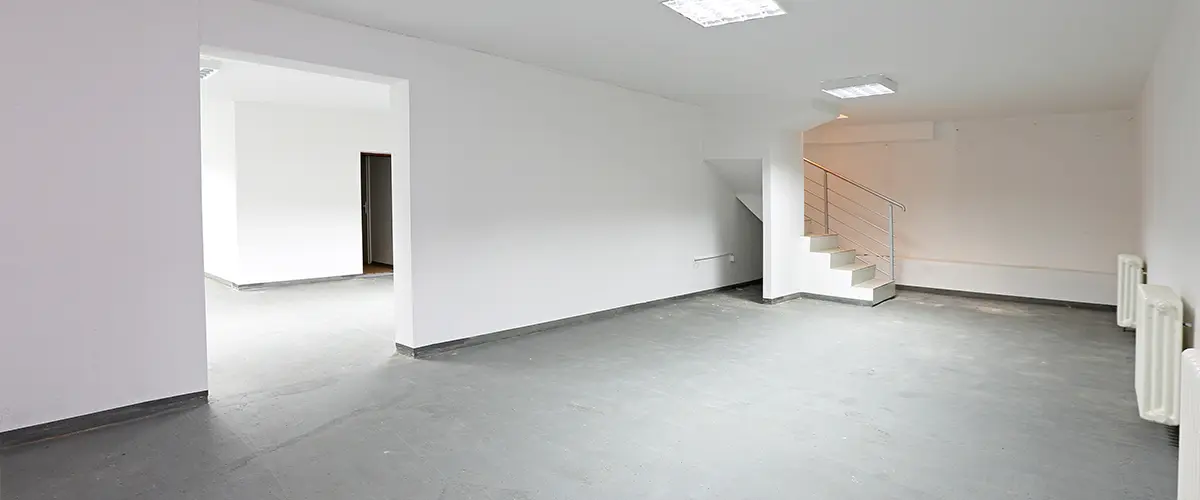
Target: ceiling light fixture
x=709 y=13
x=842 y=117
x=860 y=86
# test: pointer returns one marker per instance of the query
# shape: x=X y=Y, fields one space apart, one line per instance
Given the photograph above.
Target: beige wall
x=1034 y=206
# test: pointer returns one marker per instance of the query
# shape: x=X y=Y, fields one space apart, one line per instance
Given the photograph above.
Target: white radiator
x=1130 y=274
x=1189 y=428
x=1159 y=342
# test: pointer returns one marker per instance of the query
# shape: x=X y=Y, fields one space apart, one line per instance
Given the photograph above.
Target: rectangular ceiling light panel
x=860 y=86
x=709 y=13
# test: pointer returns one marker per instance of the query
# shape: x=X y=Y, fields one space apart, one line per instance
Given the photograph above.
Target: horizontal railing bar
x=869 y=209
x=856 y=216
x=815 y=221
x=852 y=228
x=869 y=252
x=860 y=186
x=858 y=245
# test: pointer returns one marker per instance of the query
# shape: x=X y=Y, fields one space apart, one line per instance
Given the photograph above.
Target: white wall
x=219 y=181
x=298 y=189
x=535 y=196
x=1033 y=206
x=88 y=321
x=783 y=216
x=1170 y=148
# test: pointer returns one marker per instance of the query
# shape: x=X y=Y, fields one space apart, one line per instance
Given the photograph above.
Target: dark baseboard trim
x=1008 y=298
x=434 y=349
x=250 y=287
x=841 y=300
x=92 y=421
x=827 y=298
x=780 y=300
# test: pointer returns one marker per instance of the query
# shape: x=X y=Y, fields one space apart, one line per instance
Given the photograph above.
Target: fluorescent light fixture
x=859 y=86
x=208 y=67
x=709 y=13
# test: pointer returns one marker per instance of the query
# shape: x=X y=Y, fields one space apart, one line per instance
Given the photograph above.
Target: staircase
x=849 y=250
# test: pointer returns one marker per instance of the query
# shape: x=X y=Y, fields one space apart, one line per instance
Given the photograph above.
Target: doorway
x=376 y=185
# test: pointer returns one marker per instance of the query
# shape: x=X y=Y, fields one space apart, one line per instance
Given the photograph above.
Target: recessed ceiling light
x=709 y=13
x=842 y=117
x=859 y=86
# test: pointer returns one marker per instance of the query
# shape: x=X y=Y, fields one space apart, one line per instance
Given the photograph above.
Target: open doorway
x=297 y=201
x=376 y=187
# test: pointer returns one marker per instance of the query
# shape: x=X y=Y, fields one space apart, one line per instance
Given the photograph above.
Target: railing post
x=825 y=184
x=892 y=241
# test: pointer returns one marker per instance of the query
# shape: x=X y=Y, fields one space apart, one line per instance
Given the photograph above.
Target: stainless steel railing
x=863 y=231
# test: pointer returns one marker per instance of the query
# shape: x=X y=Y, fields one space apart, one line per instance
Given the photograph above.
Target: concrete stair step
x=874 y=283
x=854 y=267
x=837 y=256
x=859 y=271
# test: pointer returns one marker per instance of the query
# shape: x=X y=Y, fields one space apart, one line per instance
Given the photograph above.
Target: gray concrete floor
x=923 y=397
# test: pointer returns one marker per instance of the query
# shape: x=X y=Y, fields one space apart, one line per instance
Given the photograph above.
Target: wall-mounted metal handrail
x=856 y=184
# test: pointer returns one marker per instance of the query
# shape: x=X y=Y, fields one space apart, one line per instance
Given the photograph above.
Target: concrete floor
x=923 y=397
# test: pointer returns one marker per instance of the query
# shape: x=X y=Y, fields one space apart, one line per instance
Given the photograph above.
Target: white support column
x=783 y=215
x=402 y=217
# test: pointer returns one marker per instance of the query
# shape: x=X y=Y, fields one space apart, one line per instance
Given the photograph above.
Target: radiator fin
x=1130 y=274
x=1158 y=347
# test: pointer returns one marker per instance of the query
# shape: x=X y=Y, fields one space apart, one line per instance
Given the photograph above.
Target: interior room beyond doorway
x=376 y=187
x=283 y=174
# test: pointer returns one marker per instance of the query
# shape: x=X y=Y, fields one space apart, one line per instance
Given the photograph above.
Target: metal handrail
x=843 y=196
x=839 y=221
x=843 y=209
x=852 y=228
x=825 y=215
x=807 y=218
x=856 y=216
x=860 y=186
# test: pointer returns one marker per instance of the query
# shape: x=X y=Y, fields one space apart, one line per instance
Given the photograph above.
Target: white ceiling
x=952 y=58
x=253 y=82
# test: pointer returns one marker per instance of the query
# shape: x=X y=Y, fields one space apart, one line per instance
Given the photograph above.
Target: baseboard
x=780 y=300
x=842 y=300
x=434 y=349
x=92 y=421
x=827 y=298
x=306 y=281
x=1009 y=298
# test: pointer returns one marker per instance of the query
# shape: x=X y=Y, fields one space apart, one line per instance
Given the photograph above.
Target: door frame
x=364 y=181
